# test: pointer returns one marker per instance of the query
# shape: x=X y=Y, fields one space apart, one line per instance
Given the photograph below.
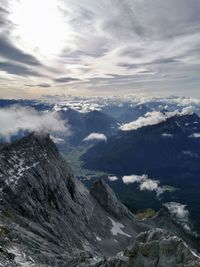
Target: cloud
x=57 y=140
x=180 y=213
x=149 y=185
x=95 y=136
x=15 y=119
x=153 y=118
x=65 y=80
x=144 y=182
x=9 y=51
x=124 y=45
x=44 y=85
x=167 y=135
x=112 y=178
x=134 y=178
x=150 y=118
x=17 y=69
x=195 y=135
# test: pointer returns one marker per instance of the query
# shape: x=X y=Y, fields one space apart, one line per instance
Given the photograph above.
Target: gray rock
x=52 y=217
x=155 y=248
x=48 y=218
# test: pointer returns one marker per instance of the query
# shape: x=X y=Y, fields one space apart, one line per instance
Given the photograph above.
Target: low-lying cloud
x=16 y=119
x=112 y=178
x=57 y=140
x=180 y=213
x=153 y=118
x=195 y=135
x=144 y=182
x=95 y=136
x=167 y=135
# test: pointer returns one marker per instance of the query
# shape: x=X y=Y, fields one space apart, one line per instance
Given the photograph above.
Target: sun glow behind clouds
x=40 y=25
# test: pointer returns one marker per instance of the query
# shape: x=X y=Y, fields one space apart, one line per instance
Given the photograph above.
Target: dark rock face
x=108 y=200
x=52 y=217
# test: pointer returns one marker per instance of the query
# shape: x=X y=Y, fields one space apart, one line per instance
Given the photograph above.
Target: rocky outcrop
x=108 y=200
x=155 y=248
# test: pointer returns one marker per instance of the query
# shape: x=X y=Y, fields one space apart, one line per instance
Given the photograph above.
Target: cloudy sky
x=90 y=47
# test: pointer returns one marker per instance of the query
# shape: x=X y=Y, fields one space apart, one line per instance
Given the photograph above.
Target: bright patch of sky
x=99 y=47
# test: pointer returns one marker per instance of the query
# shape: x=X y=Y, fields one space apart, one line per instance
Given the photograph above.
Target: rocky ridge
x=48 y=218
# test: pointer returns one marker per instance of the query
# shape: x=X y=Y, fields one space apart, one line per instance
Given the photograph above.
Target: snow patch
x=116 y=228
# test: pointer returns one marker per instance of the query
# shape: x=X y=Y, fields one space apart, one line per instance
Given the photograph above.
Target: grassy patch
x=148 y=213
x=74 y=159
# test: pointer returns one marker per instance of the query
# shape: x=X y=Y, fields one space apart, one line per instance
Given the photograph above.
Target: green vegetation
x=73 y=158
x=148 y=213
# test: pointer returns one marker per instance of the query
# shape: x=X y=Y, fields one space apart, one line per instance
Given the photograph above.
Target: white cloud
x=167 y=135
x=129 y=179
x=180 y=213
x=155 y=44
x=145 y=183
x=149 y=185
x=153 y=118
x=195 y=135
x=112 y=178
x=16 y=119
x=150 y=118
x=56 y=139
x=95 y=136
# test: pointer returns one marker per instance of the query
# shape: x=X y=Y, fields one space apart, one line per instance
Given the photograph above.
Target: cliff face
x=48 y=218
x=50 y=213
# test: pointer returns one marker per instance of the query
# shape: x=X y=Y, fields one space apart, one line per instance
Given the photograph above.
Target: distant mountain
x=38 y=105
x=133 y=113
x=83 y=124
x=125 y=112
x=151 y=149
x=168 y=152
x=48 y=218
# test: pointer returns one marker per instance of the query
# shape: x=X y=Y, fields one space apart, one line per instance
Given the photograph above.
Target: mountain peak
x=51 y=211
x=108 y=199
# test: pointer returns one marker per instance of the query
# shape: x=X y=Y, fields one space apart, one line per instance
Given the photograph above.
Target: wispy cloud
x=9 y=51
x=153 y=118
x=180 y=213
x=145 y=183
x=108 y=45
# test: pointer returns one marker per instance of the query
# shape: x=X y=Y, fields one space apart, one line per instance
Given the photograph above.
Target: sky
x=99 y=47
